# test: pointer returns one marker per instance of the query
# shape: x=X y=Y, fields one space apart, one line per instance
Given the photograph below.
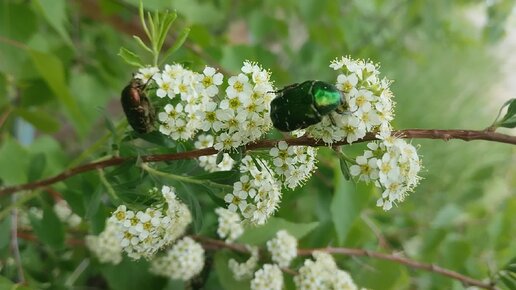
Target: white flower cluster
x=257 y=194
x=230 y=226
x=209 y=163
x=393 y=165
x=244 y=270
x=293 y=164
x=283 y=248
x=183 y=261
x=143 y=233
x=323 y=274
x=269 y=277
x=368 y=99
x=65 y=214
x=190 y=94
x=106 y=245
x=242 y=115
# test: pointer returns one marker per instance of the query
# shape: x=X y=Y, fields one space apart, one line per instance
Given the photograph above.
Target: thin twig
x=213 y=244
x=466 y=135
x=401 y=260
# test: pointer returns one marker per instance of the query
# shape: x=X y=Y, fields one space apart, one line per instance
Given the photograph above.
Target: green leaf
x=37 y=166
x=347 y=203
x=39 y=119
x=508 y=281
x=509 y=120
x=180 y=40
x=49 y=229
x=51 y=69
x=220 y=157
x=55 y=13
x=225 y=275
x=142 y=44
x=380 y=275
x=131 y=274
x=130 y=57
x=344 y=167
x=261 y=234
x=13 y=162
x=222 y=177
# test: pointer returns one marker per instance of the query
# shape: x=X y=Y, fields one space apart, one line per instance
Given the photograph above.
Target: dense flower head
x=393 y=165
x=322 y=274
x=230 y=226
x=106 y=245
x=269 y=277
x=234 y=116
x=143 y=233
x=209 y=163
x=257 y=194
x=243 y=114
x=283 y=248
x=368 y=105
x=183 y=261
x=245 y=270
x=293 y=164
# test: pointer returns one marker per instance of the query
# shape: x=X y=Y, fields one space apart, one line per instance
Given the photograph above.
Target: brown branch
x=217 y=244
x=401 y=260
x=466 y=135
x=214 y=244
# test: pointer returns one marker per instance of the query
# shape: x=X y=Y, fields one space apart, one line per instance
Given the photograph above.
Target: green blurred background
x=453 y=66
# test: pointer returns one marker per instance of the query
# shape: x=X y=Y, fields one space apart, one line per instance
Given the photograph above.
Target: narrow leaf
x=220 y=156
x=130 y=57
x=344 y=167
x=142 y=44
x=180 y=40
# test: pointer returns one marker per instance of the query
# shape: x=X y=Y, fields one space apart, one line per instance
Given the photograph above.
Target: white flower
x=257 y=195
x=269 y=277
x=244 y=270
x=106 y=245
x=165 y=86
x=230 y=226
x=366 y=167
x=143 y=233
x=393 y=164
x=183 y=261
x=239 y=87
x=146 y=73
x=322 y=274
x=65 y=214
x=283 y=248
x=210 y=81
x=346 y=83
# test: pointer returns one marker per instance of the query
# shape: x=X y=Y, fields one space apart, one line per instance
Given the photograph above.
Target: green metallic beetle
x=303 y=104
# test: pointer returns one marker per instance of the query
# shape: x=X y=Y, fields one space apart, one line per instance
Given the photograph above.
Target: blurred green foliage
x=59 y=71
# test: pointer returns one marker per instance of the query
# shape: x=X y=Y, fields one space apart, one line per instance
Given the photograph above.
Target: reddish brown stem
x=466 y=135
x=217 y=244
x=401 y=260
